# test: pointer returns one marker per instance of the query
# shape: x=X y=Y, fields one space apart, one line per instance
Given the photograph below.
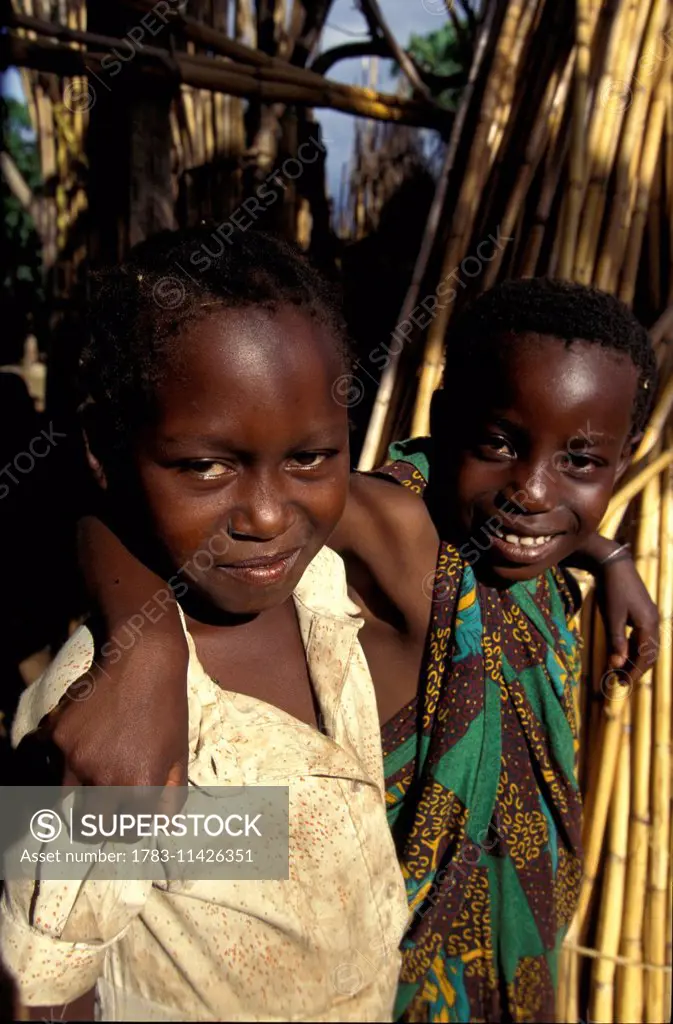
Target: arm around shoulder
x=127 y=724
x=387 y=534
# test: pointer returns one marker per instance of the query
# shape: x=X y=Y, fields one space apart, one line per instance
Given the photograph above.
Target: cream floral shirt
x=321 y=946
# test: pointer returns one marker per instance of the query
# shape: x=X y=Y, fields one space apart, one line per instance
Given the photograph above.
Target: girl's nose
x=535 y=487
x=261 y=513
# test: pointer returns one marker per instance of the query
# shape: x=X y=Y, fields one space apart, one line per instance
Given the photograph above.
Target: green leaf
x=440 y=53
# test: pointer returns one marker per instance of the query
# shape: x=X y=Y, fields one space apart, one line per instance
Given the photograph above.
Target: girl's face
x=535 y=452
x=244 y=468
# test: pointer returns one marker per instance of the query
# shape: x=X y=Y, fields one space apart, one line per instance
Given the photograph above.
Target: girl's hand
x=126 y=724
x=624 y=601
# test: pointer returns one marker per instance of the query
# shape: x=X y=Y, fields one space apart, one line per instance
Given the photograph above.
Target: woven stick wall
x=562 y=155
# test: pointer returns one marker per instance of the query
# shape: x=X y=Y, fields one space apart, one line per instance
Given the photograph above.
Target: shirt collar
x=329 y=622
x=322 y=589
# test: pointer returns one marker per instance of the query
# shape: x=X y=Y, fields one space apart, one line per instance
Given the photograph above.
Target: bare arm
x=119 y=585
x=592 y=553
x=389 y=544
x=624 y=601
x=127 y=721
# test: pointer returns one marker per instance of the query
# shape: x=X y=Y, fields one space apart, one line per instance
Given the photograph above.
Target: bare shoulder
x=383 y=511
x=389 y=545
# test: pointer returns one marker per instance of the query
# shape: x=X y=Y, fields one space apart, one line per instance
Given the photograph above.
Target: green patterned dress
x=482 y=793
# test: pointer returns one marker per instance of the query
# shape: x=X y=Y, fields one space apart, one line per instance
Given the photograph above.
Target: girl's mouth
x=263 y=571
x=522 y=548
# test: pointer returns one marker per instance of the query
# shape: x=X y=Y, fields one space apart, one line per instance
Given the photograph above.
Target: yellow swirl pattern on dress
x=433 y=991
x=438 y=649
x=417 y=962
x=527 y=834
x=492 y=654
x=471 y=918
x=416 y=483
x=525 y=991
x=438 y=810
x=566 y=886
x=536 y=740
x=521 y=630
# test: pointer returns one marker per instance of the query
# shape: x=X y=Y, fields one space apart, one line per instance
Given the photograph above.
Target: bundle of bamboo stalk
x=616 y=964
x=210 y=77
x=567 y=152
x=59 y=118
x=49 y=49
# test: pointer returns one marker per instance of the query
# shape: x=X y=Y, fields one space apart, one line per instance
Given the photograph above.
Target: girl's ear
x=95 y=465
x=628 y=452
x=437 y=413
x=89 y=434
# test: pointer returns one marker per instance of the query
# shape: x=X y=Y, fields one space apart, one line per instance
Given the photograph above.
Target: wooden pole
x=129 y=153
x=479 y=161
x=372 y=447
x=628 y=159
x=630 y=982
x=613 y=98
x=373 y=13
x=658 y=892
x=601 y=1000
x=531 y=157
x=236 y=80
x=583 y=35
x=645 y=177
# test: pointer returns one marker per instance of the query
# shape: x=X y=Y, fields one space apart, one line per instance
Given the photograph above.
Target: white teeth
x=513 y=538
x=526 y=542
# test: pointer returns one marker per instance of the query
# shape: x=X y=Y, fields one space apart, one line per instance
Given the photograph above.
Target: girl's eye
x=581 y=463
x=496 y=446
x=207 y=470
x=307 y=460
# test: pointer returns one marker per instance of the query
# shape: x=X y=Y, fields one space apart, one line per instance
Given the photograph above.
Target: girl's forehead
x=252 y=380
x=535 y=364
x=550 y=385
x=256 y=340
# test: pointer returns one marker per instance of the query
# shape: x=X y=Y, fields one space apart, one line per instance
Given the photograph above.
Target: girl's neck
x=205 y=620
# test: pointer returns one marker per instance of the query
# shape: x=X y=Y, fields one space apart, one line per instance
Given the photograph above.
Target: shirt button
x=357 y=786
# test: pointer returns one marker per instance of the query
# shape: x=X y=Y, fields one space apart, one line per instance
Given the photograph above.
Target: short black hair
x=173 y=279
x=559 y=309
